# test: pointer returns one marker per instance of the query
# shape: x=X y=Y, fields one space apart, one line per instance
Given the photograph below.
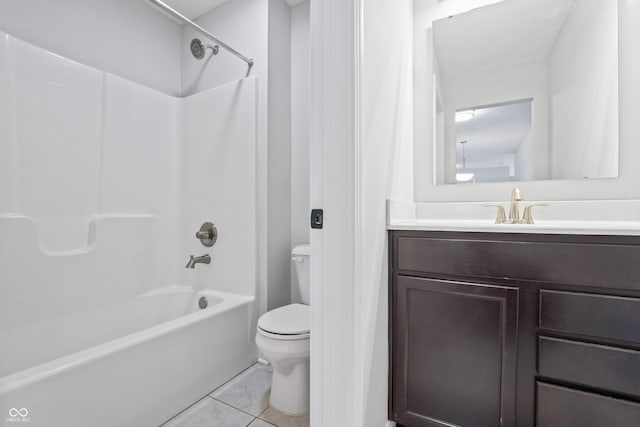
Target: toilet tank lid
x=292 y=319
x=304 y=249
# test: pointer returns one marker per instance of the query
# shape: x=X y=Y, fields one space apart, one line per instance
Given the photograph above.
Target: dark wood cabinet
x=462 y=336
x=504 y=330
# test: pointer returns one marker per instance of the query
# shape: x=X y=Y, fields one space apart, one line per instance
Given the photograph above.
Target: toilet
x=283 y=339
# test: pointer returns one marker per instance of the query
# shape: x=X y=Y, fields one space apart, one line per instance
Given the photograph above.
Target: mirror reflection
x=527 y=90
x=501 y=145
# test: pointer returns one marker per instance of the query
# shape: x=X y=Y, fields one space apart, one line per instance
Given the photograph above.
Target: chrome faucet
x=514 y=212
x=204 y=259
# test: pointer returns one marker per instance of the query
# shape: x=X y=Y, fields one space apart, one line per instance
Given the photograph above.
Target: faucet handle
x=501 y=217
x=527 y=217
x=204 y=235
x=208 y=234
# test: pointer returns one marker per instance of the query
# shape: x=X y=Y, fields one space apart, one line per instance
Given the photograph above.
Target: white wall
x=279 y=156
x=218 y=134
x=80 y=225
x=125 y=38
x=384 y=169
x=260 y=30
x=242 y=24
x=300 y=207
x=583 y=88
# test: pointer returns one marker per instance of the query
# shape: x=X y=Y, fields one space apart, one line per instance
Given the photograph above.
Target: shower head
x=198 y=49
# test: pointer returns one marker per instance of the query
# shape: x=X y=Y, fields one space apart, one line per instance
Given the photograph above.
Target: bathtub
x=134 y=363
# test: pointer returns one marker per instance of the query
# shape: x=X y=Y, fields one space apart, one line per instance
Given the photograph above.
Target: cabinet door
x=453 y=353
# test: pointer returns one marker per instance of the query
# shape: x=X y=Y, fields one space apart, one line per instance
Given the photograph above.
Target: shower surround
x=103 y=183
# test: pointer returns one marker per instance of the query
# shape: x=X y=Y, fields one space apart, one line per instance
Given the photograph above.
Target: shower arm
x=174 y=13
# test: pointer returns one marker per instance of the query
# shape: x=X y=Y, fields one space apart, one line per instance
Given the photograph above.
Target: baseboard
x=263 y=361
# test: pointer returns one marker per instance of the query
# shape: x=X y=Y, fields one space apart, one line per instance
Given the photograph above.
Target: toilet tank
x=300 y=257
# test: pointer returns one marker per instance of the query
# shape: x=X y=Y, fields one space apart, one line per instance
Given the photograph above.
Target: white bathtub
x=136 y=363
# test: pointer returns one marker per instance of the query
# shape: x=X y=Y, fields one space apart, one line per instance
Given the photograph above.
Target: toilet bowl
x=283 y=337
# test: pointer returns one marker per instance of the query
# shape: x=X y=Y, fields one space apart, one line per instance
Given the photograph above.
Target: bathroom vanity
x=511 y=329
x=494 y=323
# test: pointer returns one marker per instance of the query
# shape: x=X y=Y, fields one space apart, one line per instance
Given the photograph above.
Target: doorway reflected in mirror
x=494 y=143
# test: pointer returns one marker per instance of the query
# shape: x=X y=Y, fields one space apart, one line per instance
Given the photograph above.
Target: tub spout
x=204 y=259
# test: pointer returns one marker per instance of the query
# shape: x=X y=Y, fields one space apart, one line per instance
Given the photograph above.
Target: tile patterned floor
x=241 y=402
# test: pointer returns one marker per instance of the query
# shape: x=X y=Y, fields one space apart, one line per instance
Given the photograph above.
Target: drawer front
x=563 y=407
x=582 y=264
x=605 y=367
x=602 y=316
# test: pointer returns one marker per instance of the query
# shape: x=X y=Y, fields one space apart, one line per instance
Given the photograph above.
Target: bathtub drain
x=202 y=302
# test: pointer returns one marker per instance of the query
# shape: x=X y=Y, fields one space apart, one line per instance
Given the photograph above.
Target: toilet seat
x=290 y=322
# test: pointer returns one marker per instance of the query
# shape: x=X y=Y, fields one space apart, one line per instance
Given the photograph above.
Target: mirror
x=527 y=90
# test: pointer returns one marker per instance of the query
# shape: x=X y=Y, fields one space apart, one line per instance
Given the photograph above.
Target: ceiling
x=498 y=35
x=494 y=131
x=193 y=9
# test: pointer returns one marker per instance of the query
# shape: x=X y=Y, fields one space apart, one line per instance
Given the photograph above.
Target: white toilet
x=283 y=338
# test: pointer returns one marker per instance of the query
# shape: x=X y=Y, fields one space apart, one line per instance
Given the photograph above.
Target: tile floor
x=241 y=402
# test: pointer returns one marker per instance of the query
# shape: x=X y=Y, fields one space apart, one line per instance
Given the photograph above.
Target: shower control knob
x=208 y=234
x=203 y=235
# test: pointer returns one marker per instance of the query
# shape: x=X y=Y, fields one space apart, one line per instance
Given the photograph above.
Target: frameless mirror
x=527 y=90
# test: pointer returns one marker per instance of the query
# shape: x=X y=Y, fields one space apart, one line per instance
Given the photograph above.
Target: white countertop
x=560 y=217
x=631 y=228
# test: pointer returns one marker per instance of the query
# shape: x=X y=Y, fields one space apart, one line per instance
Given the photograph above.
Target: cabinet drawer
x=602 y=316
x=529 y=258
x=599 y=366
x=563 y=407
